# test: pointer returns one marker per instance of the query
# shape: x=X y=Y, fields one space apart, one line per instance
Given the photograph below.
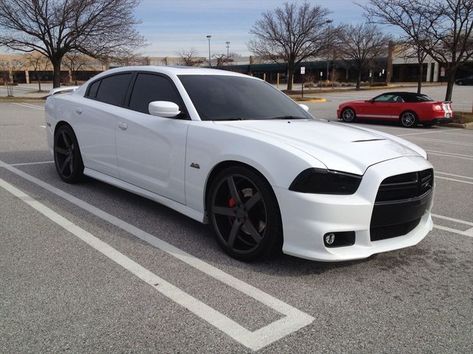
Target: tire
x=348 y=115
x=244 y=214
x=408 y=119
x=460 y=83
x=67 y=156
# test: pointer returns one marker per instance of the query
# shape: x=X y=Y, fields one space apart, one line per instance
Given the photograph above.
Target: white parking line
x=469 y=223
x=448 y=154
x=443 y=141
x=452 y=174
x=424 y=133
x=27 y=105
x=468 y=232
x=453 y=179
x=294 y=319
x=31 y=163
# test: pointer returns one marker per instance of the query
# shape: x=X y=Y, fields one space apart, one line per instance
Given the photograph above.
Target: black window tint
x=93 y=89
x=149 y=88
x=221 y=97
x=113 y=89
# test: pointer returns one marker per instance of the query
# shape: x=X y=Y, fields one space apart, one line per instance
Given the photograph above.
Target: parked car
x=467 y=80
x=232 y=151
x=408 y=108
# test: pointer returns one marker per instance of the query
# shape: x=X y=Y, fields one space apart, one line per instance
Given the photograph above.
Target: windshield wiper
x=288 y=117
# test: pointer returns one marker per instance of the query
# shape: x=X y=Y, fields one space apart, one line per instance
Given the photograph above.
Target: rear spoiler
x=66 y=89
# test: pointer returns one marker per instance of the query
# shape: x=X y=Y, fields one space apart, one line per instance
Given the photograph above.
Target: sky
x=173 y=25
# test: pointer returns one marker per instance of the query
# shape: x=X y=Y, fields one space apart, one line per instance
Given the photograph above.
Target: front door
x=151 y=150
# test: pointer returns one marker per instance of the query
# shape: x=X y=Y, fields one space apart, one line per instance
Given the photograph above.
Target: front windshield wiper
x=288 y=117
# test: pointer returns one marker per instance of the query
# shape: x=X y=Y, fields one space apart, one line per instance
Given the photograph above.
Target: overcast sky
x=171 y=25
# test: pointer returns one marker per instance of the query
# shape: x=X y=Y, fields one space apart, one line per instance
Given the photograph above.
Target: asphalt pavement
x=92 y=268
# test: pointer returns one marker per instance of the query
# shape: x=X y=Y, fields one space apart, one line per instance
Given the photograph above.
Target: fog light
x=339 y=239
x=330 y=239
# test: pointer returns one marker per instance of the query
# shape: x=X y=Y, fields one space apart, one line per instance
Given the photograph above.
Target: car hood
x=337 y=146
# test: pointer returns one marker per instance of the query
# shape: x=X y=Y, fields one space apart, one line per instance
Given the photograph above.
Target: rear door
x=151 y=150
x=97 y=120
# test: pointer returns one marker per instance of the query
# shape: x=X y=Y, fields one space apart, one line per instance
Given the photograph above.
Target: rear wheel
x=348 y=115
x=408 y=119
x=460 y=83
x=67 y=157
x=244 y=214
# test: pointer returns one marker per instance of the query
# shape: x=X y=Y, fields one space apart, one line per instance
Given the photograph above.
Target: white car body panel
x=152 y=157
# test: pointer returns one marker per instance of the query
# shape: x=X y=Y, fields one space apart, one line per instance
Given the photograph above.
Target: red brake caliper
x=231 y=202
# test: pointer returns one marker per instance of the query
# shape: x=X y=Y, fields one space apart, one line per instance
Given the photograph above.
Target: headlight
x=438 y=107
x=320 y=181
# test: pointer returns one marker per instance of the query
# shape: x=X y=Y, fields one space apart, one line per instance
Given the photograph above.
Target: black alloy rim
x=239 y=214
x=64 y=150
x=408 y=119
x=348 y=115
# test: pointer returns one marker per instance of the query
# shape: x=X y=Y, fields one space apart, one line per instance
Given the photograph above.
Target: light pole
x=228 y=48
x=328 y=22
x=208 y=37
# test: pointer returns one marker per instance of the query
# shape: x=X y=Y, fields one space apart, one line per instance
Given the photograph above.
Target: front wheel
x=348 y=115
x=67 y=156
x=408 y=119
x=244 y=214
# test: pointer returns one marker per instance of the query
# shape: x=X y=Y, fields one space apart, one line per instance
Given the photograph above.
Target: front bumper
x=308 y=217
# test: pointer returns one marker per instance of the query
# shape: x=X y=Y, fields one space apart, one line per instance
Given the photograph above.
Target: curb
x=460 y=125
x=313 y=100
x=20 y=98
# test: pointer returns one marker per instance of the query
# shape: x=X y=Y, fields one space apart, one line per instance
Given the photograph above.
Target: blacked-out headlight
x=320 y=181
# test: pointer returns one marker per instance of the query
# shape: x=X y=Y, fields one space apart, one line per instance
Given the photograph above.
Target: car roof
x=404 y=93
x=173 y=70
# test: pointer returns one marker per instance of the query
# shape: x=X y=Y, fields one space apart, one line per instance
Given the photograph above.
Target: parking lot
x=91 y=268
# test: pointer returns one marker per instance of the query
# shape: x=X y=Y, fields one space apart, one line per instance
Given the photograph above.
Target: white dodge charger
x=232 y=151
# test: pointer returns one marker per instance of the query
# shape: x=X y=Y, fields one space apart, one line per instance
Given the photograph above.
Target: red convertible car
x=406 y=107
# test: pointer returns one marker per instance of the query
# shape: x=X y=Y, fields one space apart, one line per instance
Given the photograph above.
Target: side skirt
x=181 y=208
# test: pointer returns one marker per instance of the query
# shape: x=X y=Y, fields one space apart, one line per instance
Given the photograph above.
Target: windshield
x=221 y=97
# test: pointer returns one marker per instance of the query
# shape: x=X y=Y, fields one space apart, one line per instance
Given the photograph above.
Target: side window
x=149 y=88
x=385 y=98
x=93 y=89
x=113 y=89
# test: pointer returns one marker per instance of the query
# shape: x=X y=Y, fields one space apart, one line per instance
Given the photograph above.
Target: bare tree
x=293 y=33
x=442 y=28
x=189 y=57
x=38 y=63
x=75 y=61
x=223 y=59
x=99 y=28
x=361 y=44
x=413 y=50
x=405 y=15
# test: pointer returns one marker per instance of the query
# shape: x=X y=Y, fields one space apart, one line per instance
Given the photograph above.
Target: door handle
x=79 y=111
x=123 y=126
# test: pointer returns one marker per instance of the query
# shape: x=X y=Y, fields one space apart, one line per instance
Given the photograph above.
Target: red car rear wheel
x=408 y=119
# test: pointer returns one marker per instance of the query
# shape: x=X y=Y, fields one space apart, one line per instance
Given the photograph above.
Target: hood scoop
x=366 y=140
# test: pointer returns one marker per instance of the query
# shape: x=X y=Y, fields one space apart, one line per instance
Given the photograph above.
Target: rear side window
x=113 y=89
x=417 y=98
x=93 y=89
x=149 y=88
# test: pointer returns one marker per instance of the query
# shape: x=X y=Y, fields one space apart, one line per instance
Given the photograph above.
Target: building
x=28 y=68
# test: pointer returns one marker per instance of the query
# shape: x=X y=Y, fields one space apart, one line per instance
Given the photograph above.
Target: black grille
x=400 y=203
x=405 y=186
x=390 y=231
